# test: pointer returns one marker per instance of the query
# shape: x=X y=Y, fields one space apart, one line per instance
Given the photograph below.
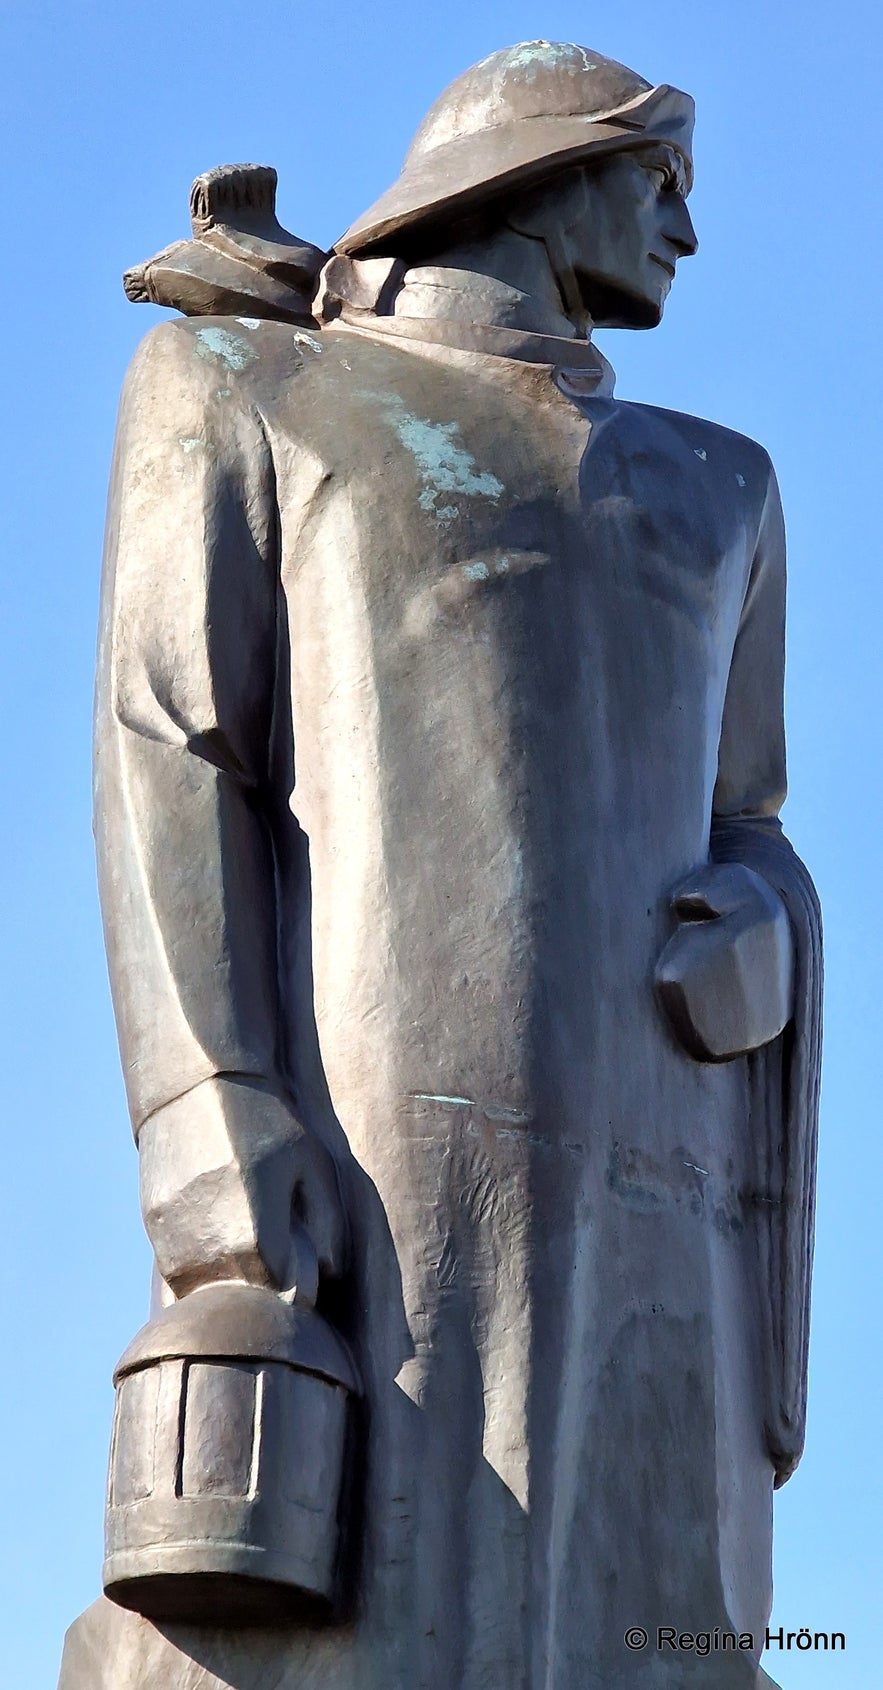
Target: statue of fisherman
x=452 y=929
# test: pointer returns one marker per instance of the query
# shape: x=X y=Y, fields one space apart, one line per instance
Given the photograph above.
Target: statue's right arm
x=184 y=713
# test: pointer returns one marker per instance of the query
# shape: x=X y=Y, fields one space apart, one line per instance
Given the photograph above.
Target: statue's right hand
x=228 y=1176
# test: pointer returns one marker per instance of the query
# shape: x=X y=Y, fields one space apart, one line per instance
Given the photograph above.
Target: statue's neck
x=504 y=282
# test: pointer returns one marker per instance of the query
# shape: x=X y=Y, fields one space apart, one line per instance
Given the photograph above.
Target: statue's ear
x=546 y=214
x=557 y=204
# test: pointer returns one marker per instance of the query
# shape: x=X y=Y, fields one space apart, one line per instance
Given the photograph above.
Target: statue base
x=111 y=1648
x=108 y=1648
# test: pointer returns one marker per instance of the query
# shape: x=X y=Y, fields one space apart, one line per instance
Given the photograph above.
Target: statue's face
x=620 y=229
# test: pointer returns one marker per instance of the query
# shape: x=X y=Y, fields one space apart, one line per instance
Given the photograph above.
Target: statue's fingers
x=713 y=889
x=698 y=898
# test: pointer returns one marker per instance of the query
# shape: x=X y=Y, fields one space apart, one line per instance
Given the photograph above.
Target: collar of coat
x=458 y=309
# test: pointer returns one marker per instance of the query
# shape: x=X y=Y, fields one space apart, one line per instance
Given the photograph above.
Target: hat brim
x=462 y=173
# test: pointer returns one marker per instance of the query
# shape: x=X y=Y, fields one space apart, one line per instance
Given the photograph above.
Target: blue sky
x=773 y=329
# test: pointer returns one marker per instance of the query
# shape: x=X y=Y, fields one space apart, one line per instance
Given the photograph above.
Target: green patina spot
x=478 y=570
x=444 y=464
x=535 y=55
x=229 y=348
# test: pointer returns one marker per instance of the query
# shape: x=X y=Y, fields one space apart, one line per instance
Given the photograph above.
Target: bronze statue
x=468 y=989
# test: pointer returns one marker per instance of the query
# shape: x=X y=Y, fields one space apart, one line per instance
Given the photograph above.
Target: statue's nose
x=679 y=230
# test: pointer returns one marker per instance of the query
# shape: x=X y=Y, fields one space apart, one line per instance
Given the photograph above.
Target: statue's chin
x=615 y=308
x=648 y=314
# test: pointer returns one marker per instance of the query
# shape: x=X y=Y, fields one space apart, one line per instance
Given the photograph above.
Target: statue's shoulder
x=241 y=357
x=715 y=448
x=708 y=433
x=245 y=288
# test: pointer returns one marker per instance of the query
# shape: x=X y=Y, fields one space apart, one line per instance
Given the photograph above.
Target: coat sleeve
x=785 y=1076
x=751 y=778
x=184 y=712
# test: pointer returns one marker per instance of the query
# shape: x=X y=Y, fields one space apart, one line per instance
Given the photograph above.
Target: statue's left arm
x=743 y=972
x=186 y=825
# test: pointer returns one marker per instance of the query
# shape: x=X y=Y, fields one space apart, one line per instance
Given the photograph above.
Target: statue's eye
x=667 y=178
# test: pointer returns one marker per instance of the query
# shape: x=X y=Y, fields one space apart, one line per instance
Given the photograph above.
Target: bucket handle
x=303 y=1269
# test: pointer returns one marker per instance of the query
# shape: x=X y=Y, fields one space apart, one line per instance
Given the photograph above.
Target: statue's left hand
x=230 y=1183
x=725 y=978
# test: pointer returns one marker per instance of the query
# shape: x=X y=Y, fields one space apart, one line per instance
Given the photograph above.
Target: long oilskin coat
x=489 y=665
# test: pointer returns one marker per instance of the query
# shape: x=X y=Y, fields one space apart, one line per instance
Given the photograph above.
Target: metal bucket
x=229 y=1462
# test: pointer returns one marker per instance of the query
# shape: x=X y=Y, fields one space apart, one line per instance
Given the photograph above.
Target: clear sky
x=111 y=109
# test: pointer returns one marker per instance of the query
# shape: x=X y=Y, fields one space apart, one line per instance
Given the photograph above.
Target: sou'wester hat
x=513 y=118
